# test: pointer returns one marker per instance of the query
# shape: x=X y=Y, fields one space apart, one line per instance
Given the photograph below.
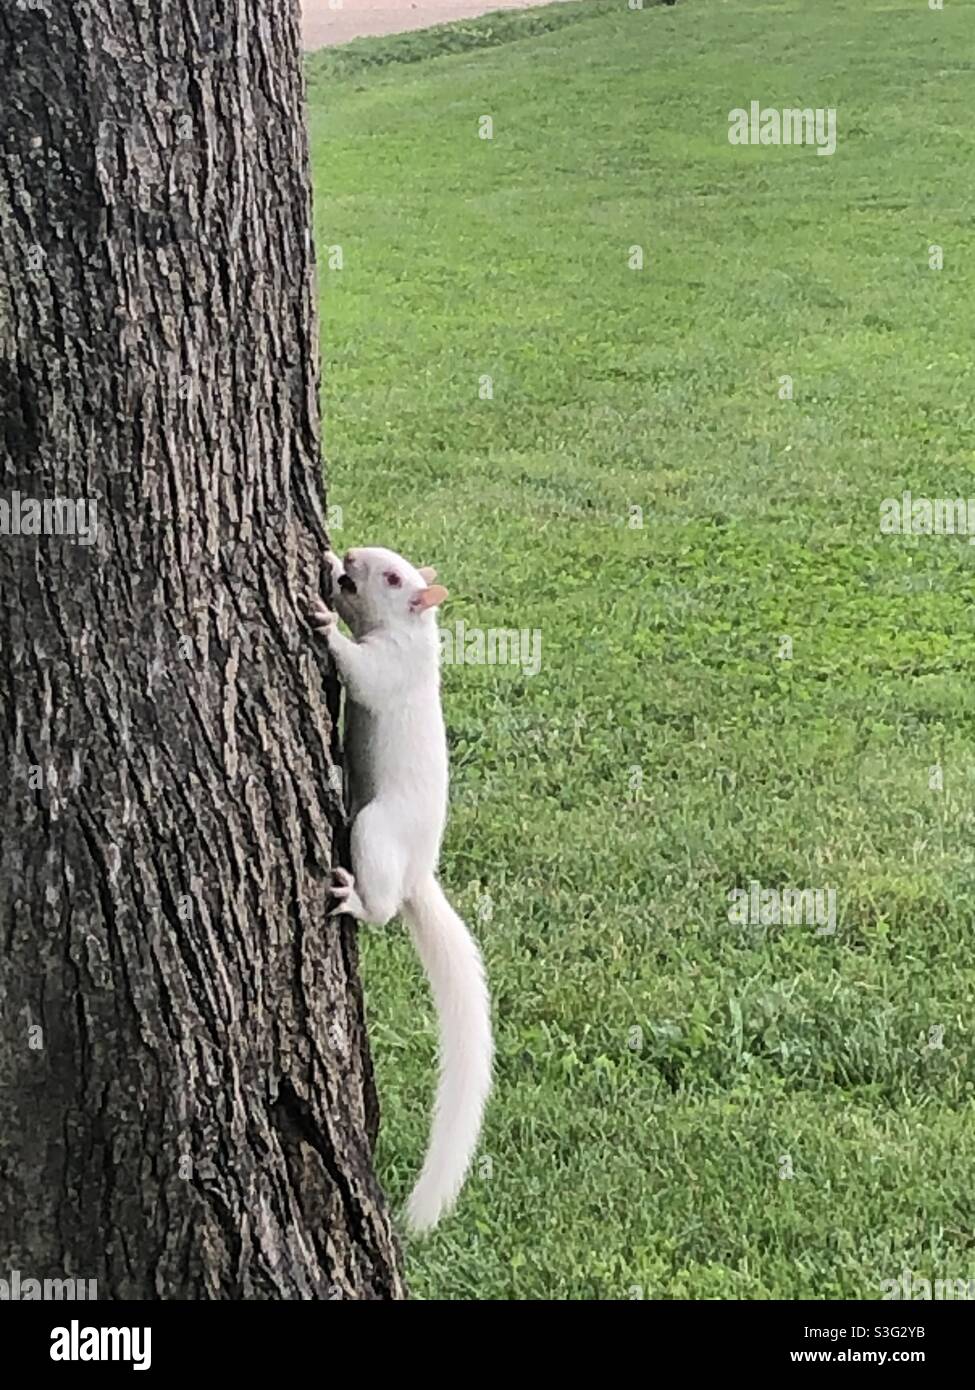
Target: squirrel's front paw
x=320 y=616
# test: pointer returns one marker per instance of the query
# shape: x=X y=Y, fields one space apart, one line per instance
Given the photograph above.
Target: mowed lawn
x=685 y=1107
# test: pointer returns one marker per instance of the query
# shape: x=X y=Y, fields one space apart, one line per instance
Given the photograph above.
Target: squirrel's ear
x=429 y=597
x=428 y=572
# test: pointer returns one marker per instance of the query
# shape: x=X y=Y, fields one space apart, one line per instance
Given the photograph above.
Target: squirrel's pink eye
x=393 y=579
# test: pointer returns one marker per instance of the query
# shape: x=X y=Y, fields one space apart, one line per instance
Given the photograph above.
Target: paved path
x=352 y=18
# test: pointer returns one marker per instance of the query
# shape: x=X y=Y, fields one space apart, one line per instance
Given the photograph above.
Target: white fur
x=396 y=753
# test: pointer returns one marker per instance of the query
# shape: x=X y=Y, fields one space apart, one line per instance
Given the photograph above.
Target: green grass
x=655 y=1063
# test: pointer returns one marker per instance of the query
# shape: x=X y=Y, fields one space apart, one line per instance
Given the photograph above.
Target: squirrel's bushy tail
x=453 y=965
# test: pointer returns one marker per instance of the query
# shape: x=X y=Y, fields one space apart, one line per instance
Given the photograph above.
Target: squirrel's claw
x=320 y=616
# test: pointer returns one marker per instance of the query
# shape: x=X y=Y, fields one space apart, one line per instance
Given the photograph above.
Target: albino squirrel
x=396 y=754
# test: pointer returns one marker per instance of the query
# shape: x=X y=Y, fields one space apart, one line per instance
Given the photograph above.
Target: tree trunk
x=186 y=1102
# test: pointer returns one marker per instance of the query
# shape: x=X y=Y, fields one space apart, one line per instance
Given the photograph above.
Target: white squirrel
x=396 y=755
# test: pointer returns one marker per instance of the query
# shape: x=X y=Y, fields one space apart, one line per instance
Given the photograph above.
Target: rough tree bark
x=186 y=1103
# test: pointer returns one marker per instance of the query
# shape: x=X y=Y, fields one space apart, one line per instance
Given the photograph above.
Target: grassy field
x=685 y=1107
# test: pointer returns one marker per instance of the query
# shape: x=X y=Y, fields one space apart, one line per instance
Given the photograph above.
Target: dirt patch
x=351 y=19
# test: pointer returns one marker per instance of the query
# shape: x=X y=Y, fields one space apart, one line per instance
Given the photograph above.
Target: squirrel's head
x=379 y=589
